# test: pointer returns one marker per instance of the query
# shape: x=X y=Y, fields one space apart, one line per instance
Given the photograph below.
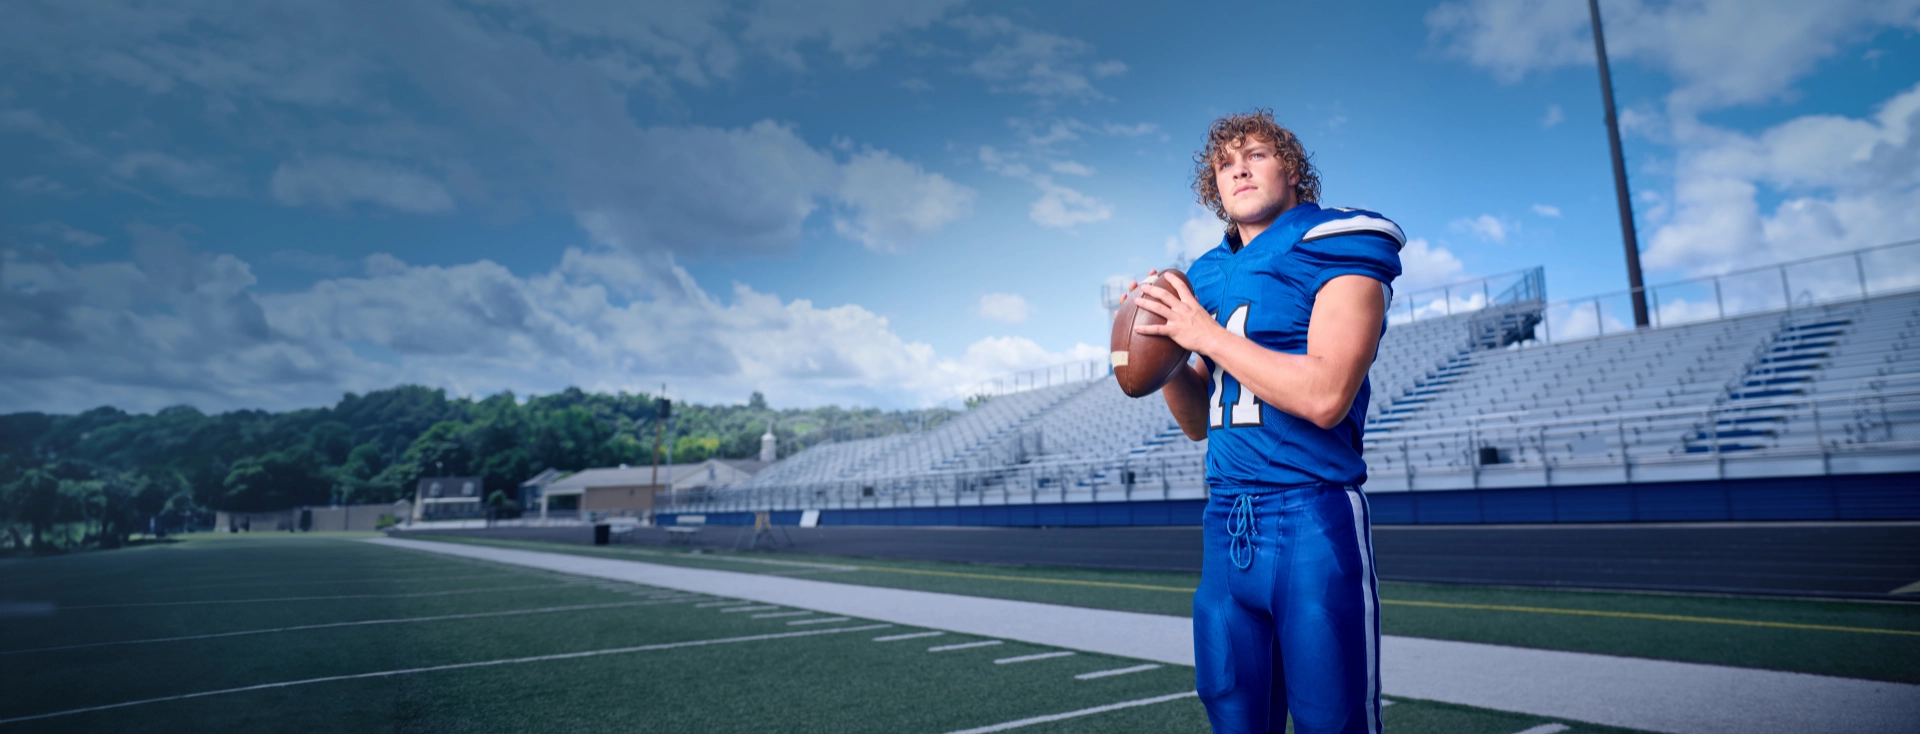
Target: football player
x=1285 y=315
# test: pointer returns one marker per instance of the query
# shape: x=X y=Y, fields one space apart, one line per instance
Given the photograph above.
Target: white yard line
x=320 y=598
x=966 y=645
x=1074 y=714
x=776 y=615
x=759 y=608
x=1116 y=671
x=1652 y=695
x=454 y=666
x=1040 y=656
x=823 y=620
x=1544 y=729
x=730 y=603
x=398 y=620
x=914 y=636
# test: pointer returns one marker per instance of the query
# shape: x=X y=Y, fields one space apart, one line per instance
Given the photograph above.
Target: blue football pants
x=1286 y=618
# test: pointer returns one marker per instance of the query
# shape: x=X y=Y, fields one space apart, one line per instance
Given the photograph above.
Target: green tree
x=35 y=499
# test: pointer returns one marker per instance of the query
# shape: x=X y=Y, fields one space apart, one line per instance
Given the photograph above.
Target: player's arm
x=1318 y=386
x=1186 y=396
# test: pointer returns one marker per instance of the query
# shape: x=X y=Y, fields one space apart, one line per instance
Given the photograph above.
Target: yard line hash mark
x=965 y=645
x=454 y=666
x=721 y=604
x=1074 y=714
x=915 y=635
x=321 y=598
x=1115 y=671
x=772 y=615
x=396 y=620
x=760 y=608
x=1040 y=656
x=822 y=620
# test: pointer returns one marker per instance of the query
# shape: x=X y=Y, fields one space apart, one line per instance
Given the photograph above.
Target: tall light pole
x=1620 y=191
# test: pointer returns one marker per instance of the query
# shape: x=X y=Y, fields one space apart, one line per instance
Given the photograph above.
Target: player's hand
x=1188 y=324
x=1133 y=285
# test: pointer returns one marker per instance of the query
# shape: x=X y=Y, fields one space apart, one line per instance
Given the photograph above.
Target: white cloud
x=1033 y=62
x=916 y=85
x=1554 y=116
x=1546 y=210
x=1130 y=131
x=1201 y=232
x=1423 y=265
x=1062 y=207
x=1058 y=206
x=176 y=326
x=1485 y=226
x=39 y=185
x=1844 y=183
x=1719 y=52
x=69 y=235
x=854 y=29
x=195 y=178
x=337 y=183
x=894 y=203
x=542 y=89
x=1006 y=308
x=1071 y=168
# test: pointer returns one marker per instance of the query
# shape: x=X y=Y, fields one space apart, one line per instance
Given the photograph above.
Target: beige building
x=632 y=488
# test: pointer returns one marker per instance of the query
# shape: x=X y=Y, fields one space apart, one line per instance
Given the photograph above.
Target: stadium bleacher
x=1471 y=400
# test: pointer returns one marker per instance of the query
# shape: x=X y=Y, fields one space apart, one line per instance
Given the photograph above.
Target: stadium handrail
x=1706 y=410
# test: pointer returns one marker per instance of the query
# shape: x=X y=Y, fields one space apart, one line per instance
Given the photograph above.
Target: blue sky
x=237 y=205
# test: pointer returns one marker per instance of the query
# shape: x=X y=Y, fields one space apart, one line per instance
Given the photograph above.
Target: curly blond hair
x=1234 y=131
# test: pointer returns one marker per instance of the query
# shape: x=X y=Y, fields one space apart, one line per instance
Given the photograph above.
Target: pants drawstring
x=1240 y=525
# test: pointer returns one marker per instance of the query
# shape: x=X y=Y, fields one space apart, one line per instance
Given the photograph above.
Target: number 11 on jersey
x=1246 y=407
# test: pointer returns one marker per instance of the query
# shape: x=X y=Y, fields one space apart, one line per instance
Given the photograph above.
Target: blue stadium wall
x=1846 y=497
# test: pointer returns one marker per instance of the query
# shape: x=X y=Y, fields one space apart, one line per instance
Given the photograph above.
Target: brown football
x=1143 y=362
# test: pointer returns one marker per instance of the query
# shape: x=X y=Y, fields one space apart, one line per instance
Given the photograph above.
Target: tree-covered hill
x=108 y=470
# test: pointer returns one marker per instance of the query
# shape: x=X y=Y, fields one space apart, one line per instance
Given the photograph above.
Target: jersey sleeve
x=1373 y=254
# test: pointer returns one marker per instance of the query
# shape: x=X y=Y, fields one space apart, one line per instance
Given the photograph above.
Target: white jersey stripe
x=1363 y=540
x=1351 y=225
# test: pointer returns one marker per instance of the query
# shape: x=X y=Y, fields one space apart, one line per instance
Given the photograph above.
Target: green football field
x=319 y=632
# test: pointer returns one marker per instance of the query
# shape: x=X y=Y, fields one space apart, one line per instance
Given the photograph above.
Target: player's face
x=1254 y=184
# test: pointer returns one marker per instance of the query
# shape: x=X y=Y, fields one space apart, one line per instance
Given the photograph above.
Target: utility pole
x=1620 y=191
x=659 y=432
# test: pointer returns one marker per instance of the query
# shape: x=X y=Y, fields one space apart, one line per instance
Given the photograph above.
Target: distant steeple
x=768 y=445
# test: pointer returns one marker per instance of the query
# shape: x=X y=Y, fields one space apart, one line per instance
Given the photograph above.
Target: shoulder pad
x=1336 y=221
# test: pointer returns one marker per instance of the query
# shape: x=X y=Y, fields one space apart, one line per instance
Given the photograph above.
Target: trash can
x=602 y=534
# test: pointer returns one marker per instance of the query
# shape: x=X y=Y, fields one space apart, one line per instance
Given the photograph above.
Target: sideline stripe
x=1643 y=615
x=1116 y=671
x=454 y=666
x=966 y=645
x=915 y=635
x=324 y=598
x=1069 y=714
x=397 y=620
x=1442 y=605
x=1041 y=656
x=1544 y=729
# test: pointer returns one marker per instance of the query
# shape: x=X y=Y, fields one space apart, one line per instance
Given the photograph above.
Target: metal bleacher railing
x=1788 y=370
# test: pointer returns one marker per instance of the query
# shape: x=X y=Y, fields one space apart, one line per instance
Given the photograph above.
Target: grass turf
x=836 y=681
x=1873 y=641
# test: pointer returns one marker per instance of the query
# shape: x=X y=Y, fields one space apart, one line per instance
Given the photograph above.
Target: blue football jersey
x=1265 y=292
